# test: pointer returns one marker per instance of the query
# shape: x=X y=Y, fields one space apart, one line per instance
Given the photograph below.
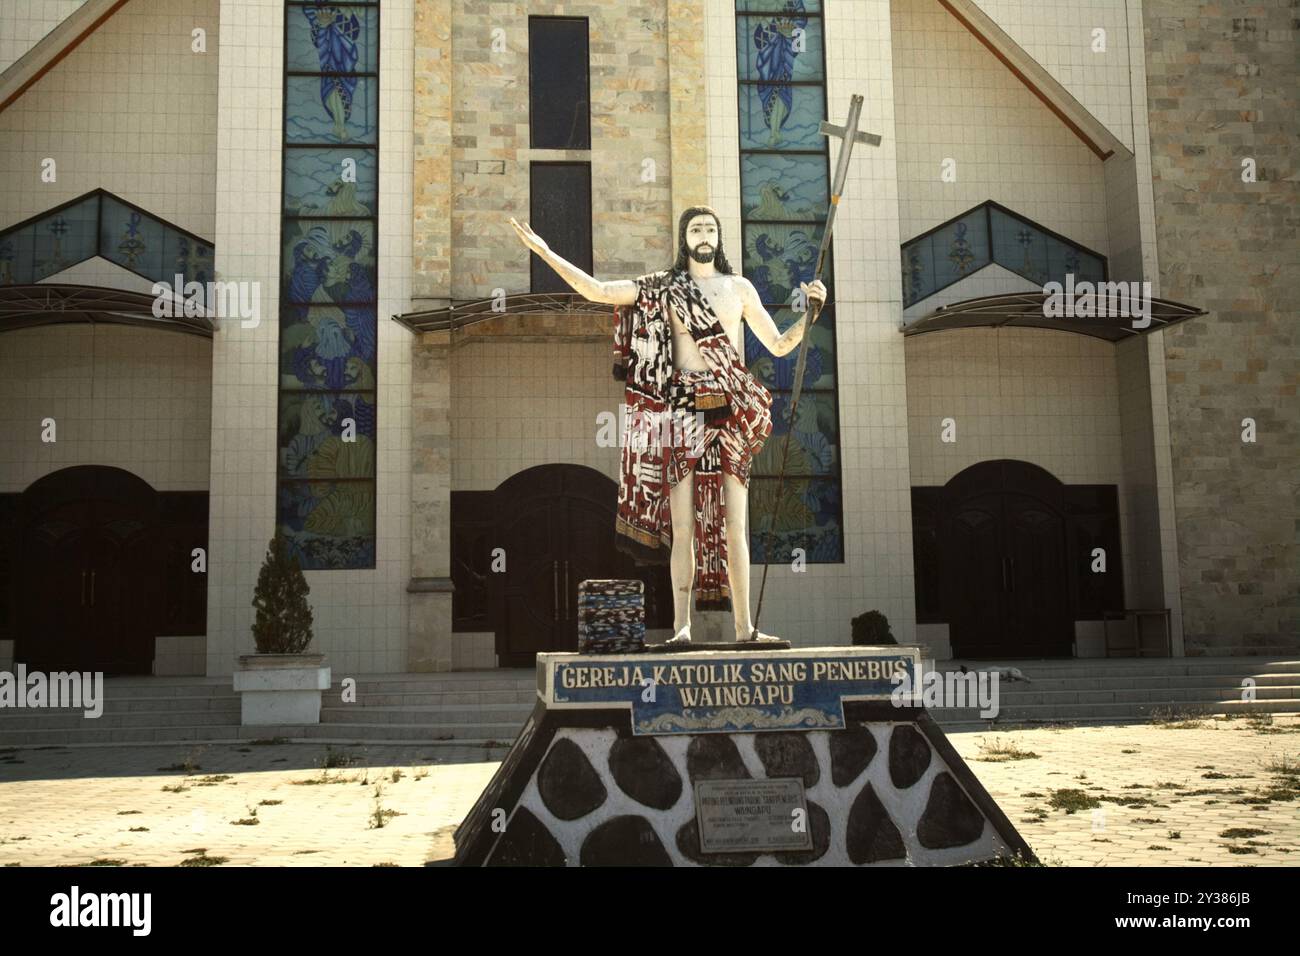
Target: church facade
x=257 y=276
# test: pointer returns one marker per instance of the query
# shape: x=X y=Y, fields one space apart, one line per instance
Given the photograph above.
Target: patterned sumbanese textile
x=707 y=422
x=611 y=616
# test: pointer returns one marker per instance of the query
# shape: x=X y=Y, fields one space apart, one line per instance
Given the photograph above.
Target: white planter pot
x=281 y=688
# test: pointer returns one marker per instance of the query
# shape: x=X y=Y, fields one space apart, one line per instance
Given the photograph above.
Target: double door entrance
x=1005 y=563
x=84 y=587
x=556 y=527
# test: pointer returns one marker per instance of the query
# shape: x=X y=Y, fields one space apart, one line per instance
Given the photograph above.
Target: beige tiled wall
x=1059 y=35
x=522 y=403
x=1049 y=398
x=131 y=110
x=359 y=616
x=23 y=23
x=128 y=398
x=815 y=607
x=955 y=100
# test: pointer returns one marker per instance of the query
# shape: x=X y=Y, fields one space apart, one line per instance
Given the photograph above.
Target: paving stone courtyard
x=1183 y=792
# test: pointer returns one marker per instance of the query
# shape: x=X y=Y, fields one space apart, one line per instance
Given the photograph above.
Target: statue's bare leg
x=736 y=501
x=681 y=505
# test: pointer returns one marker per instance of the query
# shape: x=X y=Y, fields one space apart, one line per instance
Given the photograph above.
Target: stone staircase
x=1082 y=691
x=478 y=707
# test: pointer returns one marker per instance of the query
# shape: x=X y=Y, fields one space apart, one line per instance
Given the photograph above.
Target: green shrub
x=283 y=622
x=872 y=628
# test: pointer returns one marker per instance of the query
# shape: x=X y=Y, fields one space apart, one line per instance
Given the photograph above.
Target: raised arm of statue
x=616 y=292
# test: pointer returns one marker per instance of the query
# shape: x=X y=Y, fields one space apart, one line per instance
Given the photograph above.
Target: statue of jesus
x=681 y=342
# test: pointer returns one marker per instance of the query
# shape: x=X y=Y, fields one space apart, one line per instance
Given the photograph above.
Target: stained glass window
x=785 y=188
x=990 y=233
x=328 y=365
x=101 y=224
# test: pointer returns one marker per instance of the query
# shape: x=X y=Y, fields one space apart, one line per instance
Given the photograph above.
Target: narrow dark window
x=560 y=200
x=559 y=88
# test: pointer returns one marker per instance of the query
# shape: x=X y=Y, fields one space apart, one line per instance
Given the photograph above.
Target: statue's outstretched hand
x=529 y=238
x=816 y=294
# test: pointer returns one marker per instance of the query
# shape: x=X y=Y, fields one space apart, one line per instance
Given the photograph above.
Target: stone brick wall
x=472 y=140
x=1222 y=85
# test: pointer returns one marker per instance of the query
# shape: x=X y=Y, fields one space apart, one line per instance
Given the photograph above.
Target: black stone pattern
x=688 y=842
x=714 y=757
x=909 y=756
x=570 y=788
x=568 y=783
x=624 y=841
x=526 y=842
x=950 y=818
x=788 y=755
x=872 y=835
x=819 y=823
x=644 y=772
x=852 y=749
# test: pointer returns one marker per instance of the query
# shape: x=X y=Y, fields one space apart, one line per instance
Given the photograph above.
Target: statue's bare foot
x=682 y=637
x=757 y=636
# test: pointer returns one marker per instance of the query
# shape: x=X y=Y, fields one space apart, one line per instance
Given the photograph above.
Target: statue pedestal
x=734 y=757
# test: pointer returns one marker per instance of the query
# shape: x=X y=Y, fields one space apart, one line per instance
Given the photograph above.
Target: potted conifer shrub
x=281 y=683
x=872 y=628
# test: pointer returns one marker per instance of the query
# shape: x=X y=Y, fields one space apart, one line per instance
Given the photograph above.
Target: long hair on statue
x=683 y=253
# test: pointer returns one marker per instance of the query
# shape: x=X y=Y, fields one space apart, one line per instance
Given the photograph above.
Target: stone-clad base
x=578 y=788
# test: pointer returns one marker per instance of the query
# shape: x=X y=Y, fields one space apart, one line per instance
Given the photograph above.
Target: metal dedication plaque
x=740 y=815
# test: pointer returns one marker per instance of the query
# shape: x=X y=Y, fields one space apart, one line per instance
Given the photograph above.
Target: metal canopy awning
x=28 y=306
x=1026 y=310
x=459 y=315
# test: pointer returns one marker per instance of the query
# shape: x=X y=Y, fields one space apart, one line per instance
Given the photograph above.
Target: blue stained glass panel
x=328 y=261
x=331 y=109
x=132 y=239
x=1064 y=258
x=779 y=256
x=814 y=442
x=315 y=428
x=918 y=271
x=1019 y=247
x=330 y=38
x=330 y=182
x=959 y=249
x=65 y=238
x=779 y=48
x=327 y=348
x=188 y=257
x=808 y=6
x=778 y=373
x=16 y=256
x=810 y=518
x=797 y=127
x=328 y=525
x=774 y=186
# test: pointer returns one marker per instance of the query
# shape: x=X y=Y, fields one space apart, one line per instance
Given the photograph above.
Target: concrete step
x=477 y=706
x=1131 y=668
x=434 y=698
x=142 y=705
x=1150 y=681
x=505 y=731
x=1152 y=695
x=1039 y=713
x=455 y=716
x=48 y=720
x=442 y=683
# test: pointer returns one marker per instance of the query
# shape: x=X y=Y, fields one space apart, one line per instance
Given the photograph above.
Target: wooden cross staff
x=848 y=134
